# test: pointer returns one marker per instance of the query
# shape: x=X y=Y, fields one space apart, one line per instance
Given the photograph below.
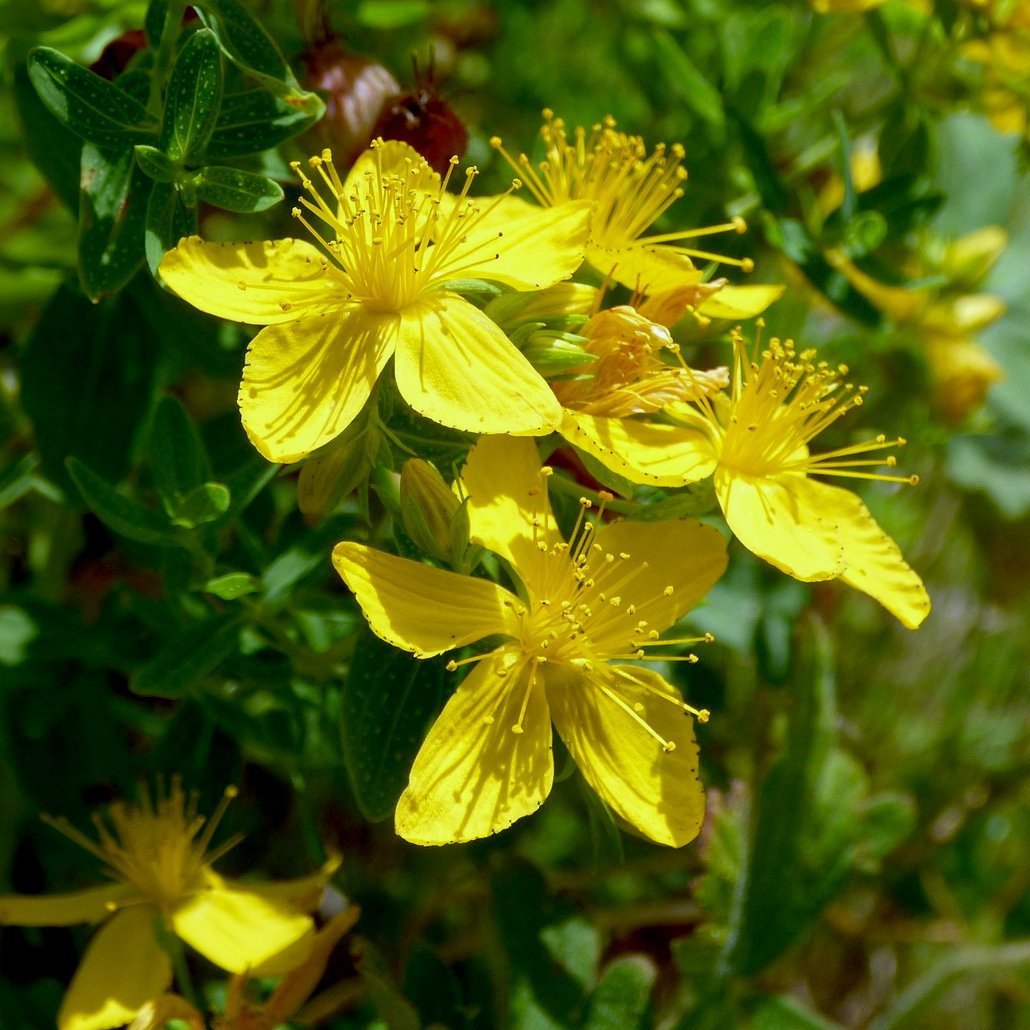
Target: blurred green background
x=864 y=863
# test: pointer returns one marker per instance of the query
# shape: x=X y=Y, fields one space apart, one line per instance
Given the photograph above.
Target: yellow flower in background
x=604 y=596
x=628 y=190
x=392 y=240
x=845 y=6
x=157 y=854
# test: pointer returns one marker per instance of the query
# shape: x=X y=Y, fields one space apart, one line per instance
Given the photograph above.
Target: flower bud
x=428 y=509
x=559 y=302
x=550 y=351
x=331 y=474
x=969 y=258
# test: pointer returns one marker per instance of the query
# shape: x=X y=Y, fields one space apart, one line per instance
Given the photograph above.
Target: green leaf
x=232 y=585
x=619 y=1001
x=168 y=220
x=156 y=163
x=178 y=461
x=236 y=190
x=390 y=14
x=54 y=149
x=112 y=216
x=87 y=379
x=90 y=106
x=188 y=656
x=804 y=822
x=154 y=21
x=786 y=1013
x=387 y=702
x=202 y=505
x=193 y=98
x=119 y=513
x=17 y=479
x=311 y=551
x=253 y=121
x=687 y=81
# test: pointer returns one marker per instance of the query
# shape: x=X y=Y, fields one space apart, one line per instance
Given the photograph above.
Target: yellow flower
x=605 y=596
x=157 y=856
x=629 y=191
x=392 y=240
x=845 y=6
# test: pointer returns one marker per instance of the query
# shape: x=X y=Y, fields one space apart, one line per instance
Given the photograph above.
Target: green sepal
x=187 y=657
x=203 y=504
x=90 y=106
x=236 y=190
x=156 y=163
x=112 y=216
x=252 y=121
x=118 y=512
x=193 y=98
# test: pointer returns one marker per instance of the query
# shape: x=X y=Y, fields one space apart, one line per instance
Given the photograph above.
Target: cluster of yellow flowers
x=393 y=249
x=582 y=614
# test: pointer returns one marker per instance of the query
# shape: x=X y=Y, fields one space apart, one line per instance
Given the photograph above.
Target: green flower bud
x=429 y=509
x=333 y=472
x=557 y=302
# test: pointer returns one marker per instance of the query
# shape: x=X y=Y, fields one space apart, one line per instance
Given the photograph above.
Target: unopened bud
x=558 y=302
x=331 y=474
x=969 y=258
x=553 y=353
x=428 y=508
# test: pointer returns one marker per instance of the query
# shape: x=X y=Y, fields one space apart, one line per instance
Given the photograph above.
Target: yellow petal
x=646 y=269
x=506 y=492
x=654 y=790
x=420 y=609
x=302 y=894
x=741 y=301
x=673 y=565
x=305 y=382
x=88 y=906
x=873 y=561
x=474 y=776
x=123 y=968
x=457 y=368
x=393 y=157
x=526 y=247
x=238 y=930
x=263 y=282
x=643 y=452
x=782 y=521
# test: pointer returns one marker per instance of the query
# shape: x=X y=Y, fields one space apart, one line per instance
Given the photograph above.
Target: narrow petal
x=506 y=494
x=526 y=247
x=656 y=791
x=263 y=282
x=305 y=382
x=646 y=269
x=123 y=968
x=424 y=610
x=456 y=367
x=302 y=894
x=88 y=906
x=874 y=562
x=669 y=566
x=474 y=776
x=741 y=301
x=239 y=930
x=643 y=452
x=782 y=521
x=393 y=157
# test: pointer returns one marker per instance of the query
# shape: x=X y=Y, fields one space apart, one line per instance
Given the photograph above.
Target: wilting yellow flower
x=629 y=190
x=393 y=239
x=605 y=596
x=158 y=856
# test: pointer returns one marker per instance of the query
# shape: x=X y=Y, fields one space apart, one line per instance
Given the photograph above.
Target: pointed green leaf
x=193 y=98
x=236 y=190
x=112 y=216
x=188 y=656
x=156 y=163
x=619 y=1001
x=203 y=504
x=255 y=120
x=90 y=106
x=178 y=461
x=386 y=706
x=232 y=585
x=168 y=220
x=118 y=512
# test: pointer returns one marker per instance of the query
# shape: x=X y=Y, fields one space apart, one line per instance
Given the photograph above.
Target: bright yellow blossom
x=158 y=856
x=605 y=596
x=629 y=190
x=392 y=239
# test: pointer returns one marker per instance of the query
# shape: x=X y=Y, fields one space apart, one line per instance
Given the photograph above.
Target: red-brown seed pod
x=357 y=91
x=425 y=121
x=115 y=57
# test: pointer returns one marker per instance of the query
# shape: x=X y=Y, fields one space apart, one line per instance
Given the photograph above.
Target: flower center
x=155 y=847
x=395 y=231
x=630 y=188
x=778 y=406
